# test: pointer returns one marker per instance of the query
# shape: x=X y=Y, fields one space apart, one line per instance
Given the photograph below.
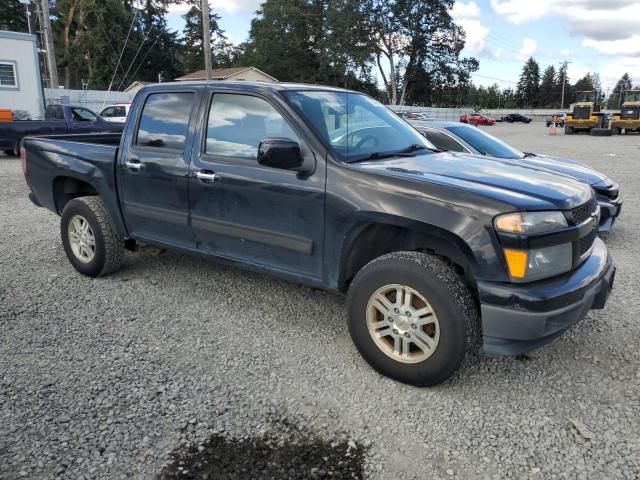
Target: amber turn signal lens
x=517 y=262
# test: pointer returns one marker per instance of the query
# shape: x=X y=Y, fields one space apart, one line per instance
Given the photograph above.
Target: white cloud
x=566 y=52
x=628 y=47
x=465 y=10
x=529 y=47
x=232 y=7
x=521 y=11
x=467 y=16
x=236 y=6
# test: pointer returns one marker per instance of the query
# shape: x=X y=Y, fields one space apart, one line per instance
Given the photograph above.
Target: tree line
x=400 y=51
x=413 y=46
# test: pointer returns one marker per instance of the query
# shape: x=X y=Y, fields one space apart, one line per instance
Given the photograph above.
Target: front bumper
x=609 y=212
x=519 y=318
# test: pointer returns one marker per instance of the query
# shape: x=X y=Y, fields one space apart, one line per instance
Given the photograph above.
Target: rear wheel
x=90 y=241
x=412 y=318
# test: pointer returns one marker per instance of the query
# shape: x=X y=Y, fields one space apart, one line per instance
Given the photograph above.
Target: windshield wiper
x=405 y=152
x=526 y=155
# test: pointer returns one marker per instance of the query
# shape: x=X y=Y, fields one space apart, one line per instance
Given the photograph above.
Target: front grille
x=581 y=112
x=630 y=113
x=584 y=244
x=582 y=213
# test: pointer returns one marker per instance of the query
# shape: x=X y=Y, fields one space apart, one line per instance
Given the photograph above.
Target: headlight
x=530 y=222
x=530 y=265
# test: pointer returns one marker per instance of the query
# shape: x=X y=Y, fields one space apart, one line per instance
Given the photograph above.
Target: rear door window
x=443 y=141
x=164 y=122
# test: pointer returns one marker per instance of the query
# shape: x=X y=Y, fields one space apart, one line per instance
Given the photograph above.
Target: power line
x=493 y=78
x=119 y=59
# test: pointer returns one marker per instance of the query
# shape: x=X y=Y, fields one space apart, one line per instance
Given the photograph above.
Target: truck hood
x=571 y=168
x=523 y=186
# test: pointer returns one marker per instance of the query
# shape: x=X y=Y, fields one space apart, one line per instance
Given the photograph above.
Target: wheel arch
x=66 y=188
x=372 y=239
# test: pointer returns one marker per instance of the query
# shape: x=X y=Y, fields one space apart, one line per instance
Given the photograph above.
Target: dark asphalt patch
x=271 y=456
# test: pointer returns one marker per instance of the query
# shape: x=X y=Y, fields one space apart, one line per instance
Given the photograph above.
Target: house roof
x=221 y=74
x=137 y=84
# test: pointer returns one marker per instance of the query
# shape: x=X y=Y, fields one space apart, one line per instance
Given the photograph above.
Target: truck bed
x=88 y=158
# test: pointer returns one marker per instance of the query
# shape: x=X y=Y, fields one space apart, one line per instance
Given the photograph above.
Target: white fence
x=92 y=99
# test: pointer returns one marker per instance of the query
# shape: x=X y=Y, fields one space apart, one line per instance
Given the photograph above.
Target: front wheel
x=90 y=241
x=412 y=318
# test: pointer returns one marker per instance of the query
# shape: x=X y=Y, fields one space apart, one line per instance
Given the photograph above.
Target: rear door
x=153 y=170
x=246 y=211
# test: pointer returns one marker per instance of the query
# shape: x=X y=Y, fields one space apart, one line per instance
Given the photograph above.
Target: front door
x=154 y=170
x=246 y=211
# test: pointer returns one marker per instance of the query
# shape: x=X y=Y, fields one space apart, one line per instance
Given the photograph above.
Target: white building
x=20 y=81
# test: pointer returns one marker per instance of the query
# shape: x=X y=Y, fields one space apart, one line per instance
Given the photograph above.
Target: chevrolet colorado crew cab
x=438 y=252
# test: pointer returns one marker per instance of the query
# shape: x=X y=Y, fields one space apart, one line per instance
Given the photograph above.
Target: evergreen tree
x=13 y=16
x=615 y=99
x=547 y=87
x=528 y=90
x=192 y=45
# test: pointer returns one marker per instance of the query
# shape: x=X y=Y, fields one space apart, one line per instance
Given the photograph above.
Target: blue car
x=457 y=137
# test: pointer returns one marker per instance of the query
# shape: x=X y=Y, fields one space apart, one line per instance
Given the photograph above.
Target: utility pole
x=48 y=38
x=206 y=38
x=564 y=81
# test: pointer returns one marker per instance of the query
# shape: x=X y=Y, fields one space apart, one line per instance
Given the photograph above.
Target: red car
x=477 y=119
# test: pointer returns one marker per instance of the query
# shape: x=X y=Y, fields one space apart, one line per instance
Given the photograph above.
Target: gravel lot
x=176 y=368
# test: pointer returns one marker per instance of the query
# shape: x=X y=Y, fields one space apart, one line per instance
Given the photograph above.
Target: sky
x=594 y=35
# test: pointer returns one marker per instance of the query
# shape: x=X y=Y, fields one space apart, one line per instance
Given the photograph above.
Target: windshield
x=357 y=127
x=586 y=97
x=484 y=143
x=632 y=96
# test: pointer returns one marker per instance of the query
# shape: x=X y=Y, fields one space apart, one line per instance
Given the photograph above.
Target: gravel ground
x=177 y=368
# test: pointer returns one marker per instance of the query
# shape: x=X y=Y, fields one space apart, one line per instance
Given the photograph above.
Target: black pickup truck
x=437 y=252
x=58 y=119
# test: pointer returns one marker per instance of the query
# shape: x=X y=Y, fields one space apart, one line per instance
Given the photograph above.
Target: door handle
x=206 y=176
x=133 y=164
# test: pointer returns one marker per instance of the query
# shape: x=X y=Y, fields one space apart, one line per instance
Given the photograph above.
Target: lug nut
x=413 y=325
x=407 y=335
x=408 y=314
x=390 y=319
x=395 y=331
x=396 y=310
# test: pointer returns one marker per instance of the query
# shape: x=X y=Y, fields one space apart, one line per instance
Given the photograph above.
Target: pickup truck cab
x=58 y=119
x=437 y=252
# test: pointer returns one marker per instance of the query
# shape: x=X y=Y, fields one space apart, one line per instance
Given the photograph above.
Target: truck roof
x=247 y=85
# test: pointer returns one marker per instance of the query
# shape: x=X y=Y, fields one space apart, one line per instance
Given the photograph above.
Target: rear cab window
x=443 y=141
x=164 y=122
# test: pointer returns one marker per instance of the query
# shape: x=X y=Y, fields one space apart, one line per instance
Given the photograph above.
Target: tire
x=8 y=152
x=601 y=132
x=453 y=328
x=107 y=253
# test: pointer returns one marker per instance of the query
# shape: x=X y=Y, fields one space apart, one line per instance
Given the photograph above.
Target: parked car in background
x=452 y=136
x=477 y=119
x=416 y=116
x=116 y=113
x=436 y=251
x=58 y=119
x=516 y=117
x=559 y=119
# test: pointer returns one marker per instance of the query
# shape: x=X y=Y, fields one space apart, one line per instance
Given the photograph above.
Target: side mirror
x=280 y=153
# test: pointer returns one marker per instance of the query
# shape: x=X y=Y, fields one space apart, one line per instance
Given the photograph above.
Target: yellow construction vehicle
x=586 y=113
x=628 y=119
